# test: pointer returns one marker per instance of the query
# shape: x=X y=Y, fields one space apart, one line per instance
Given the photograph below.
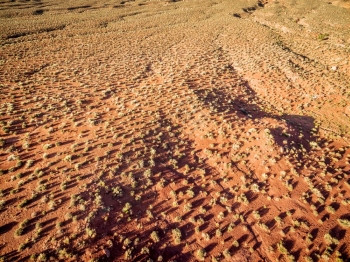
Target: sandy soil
x=194 y=130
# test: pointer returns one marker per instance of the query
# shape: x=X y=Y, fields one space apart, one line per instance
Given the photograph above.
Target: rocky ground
x=194 y=130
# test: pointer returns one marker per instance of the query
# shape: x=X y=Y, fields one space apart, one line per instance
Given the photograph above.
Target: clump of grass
x=73 y=200
x=330 y=209
x=221 y=216
x=47 y=146
x=330 y=240
x=2 y=142
x=77 y=166
x=155 y=236
x=117 y=191
x=23 y=203
x=226 y=253
x=264 y=226
x=2 y=204
x=41 y=257
x=127 y=208
x=188 y=207
x=19 y=231
x=308 y=259
x=344 y=222
x=128 y=254
x=281 y=248
x=29 y=163
x=90 y=232
x=206 y=236
x=202 y=210
x=177 y=235
x=64 y=254
x=178 y=219
x=256 y=214
x=68 y=158
x=323 y=36
x=63 y=185
x=22 y=246
x=243 y=199
x=145 y=250
x=52 y=204
x=21 y=228
x=201 y=254
x=190 y=193
x=230 y=227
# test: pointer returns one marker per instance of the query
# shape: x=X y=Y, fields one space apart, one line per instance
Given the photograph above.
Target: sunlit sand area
x=194 y=130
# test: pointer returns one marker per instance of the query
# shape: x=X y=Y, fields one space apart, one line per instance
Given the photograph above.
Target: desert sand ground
x=194 y=130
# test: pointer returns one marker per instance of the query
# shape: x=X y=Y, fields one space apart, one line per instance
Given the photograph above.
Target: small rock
x=334 y=68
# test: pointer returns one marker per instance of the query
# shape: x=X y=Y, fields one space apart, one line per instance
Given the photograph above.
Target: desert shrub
x=155 y=236
x=176 y=235
x=344 y=222
x=201 y=254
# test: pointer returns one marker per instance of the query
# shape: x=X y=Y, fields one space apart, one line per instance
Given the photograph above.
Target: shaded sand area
x=195 y=130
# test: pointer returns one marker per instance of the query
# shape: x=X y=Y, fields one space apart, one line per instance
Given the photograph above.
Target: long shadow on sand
x=244 y=103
